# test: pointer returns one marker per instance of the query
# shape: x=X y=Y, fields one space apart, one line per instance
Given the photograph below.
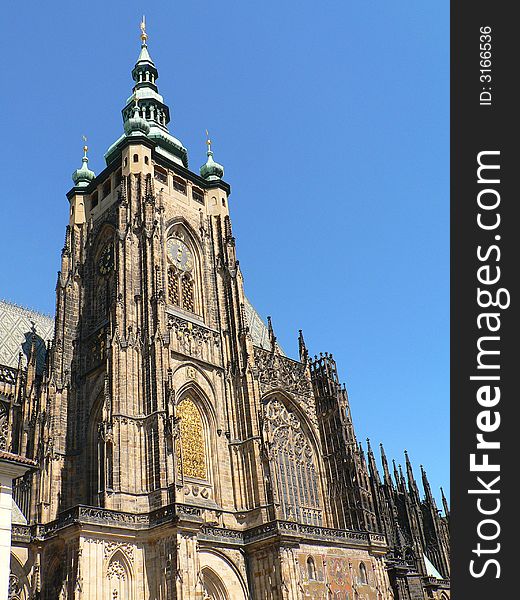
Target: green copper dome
x=136 y=124
x=211 y=170
x=83 y=176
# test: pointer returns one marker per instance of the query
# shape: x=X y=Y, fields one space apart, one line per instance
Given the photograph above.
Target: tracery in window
x=292 y=464
x=187 y=293
x=191 y=451
x=182 y=274
x=173 y=286
x=119 y=578
x=104 y=281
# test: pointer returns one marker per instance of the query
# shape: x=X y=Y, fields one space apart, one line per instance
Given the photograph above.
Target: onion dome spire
x=83 y=176
x=211 y=170
x=146 y=104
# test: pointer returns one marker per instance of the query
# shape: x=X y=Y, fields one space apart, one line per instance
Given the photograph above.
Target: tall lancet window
x=191 y=451
x=292 y=466
x=104 y=280
x=181 y=275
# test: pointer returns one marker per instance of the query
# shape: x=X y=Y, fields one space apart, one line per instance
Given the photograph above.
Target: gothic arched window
x=191 y=451
x=363 y=578
x=182 y=274
x=119 y=577
x=311 y=568
x=292 y=465
x=104 y=278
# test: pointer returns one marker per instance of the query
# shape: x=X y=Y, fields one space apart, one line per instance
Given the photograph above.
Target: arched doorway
x=219 y=577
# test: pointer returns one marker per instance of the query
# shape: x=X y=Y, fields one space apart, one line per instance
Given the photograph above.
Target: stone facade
x=181 y=454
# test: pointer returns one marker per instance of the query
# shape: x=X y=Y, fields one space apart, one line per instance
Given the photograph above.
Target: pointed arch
x=223 y=576
x=311 y=569
x=53 y=578
x=191 y=451
x=119 y=577
x=363 y=575
x=184 y=267
x=200 y=396
x=214 y=587
x=293 y=406
x=293 y=462
x=190 y=382
x=100 y=453
x=103 y=273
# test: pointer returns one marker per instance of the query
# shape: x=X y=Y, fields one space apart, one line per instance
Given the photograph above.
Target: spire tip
x=144 y=35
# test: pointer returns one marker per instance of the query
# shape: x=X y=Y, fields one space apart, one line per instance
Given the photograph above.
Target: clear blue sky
x=331 y=120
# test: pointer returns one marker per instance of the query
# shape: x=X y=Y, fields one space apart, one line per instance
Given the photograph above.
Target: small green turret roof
x=211 y=170
x=83 y=176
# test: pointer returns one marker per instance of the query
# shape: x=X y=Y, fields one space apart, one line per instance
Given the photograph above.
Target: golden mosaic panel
x=191 y=451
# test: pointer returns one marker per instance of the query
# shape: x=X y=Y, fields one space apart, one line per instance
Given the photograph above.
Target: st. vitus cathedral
x=179 y=453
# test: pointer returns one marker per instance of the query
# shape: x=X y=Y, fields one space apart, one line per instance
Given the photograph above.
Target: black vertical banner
x=485 y=333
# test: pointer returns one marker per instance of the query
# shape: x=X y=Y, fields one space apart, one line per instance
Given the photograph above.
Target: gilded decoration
x=191 y=452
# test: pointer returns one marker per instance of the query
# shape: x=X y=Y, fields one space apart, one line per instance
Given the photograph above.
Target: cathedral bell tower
x=181 y=453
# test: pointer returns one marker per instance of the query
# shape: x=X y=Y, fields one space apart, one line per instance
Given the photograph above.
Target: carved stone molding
x=274 y=371
x=191 y=338
x=111 y=547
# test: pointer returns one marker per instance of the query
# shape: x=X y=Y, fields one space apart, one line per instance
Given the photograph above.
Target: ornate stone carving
x=192 y=338
x=112 y=547
x=15 y=590
x=274 y=371
x=116 y=570
x=7 y=374
x=4 y=426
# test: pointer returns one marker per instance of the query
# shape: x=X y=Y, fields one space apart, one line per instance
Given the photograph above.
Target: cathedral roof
x=257 y=328
x=16 y=327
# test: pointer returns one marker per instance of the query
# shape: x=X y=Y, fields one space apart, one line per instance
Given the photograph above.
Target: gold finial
x=85 y=147
x=208 y=141
x=144 y=35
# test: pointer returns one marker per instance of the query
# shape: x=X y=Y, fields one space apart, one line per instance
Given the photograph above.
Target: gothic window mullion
x=173 y=287
x=293 y=466
x=181 y=280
